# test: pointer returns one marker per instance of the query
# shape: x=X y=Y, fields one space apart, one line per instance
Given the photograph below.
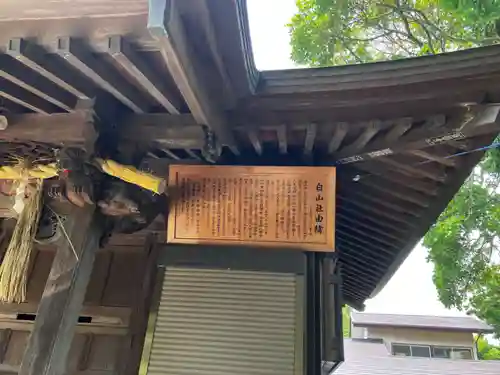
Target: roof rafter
x=124 y=55
x=166 y=26
x=483 y=121
x=29 y=80
x=77 y=55
x=338 y=136
x=16 y=94
x=35 y=57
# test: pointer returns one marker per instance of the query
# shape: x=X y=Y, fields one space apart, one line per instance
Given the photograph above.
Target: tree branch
x=356 y=57
x=406 y=24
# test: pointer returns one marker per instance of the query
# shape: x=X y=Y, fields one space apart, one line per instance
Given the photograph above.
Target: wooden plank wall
x=114 y=280
x=96 y=354
x=115 y=296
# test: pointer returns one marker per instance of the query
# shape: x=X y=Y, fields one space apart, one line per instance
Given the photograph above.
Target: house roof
x=368 y=358
x=454 y=323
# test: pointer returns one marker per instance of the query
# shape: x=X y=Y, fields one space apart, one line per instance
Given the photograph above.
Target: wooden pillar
x=62 y=300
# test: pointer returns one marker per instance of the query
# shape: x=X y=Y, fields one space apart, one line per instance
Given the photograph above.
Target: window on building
x=411 y=350
x=401 y=350
x=462 y=353
x=420 y=351
x=452 y=353
x=438 y=352
x=427 y=351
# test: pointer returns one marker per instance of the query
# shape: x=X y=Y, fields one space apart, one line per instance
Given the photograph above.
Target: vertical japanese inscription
x=271 y=206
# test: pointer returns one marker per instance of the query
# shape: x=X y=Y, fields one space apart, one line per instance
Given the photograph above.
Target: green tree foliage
x=338 y=32
x=464 y=245
x=346 y=322
x=487 y=351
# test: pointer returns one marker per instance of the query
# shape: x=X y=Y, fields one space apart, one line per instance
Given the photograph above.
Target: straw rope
x=15 y=265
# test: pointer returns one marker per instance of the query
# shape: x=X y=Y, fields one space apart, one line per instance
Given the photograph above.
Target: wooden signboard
x=258 y=206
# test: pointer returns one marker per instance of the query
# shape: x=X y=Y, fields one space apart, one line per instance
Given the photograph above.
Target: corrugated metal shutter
x=216 y=322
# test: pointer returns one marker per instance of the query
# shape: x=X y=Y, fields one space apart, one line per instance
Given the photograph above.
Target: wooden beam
x=367 y=198
x=395 y=176
x=118 y=315
x=415 y=171
x=375 y=238
x=362 y=140
x=427 y=72
x=80 y=328
x=253 y=137
x=171 y=131
x=365 y=243
x=24 y=98
x=352 y=221
x=170 y=154
x=338 y=136
x=399 y=191
x=281 y=134
x=363 y=214
x=134 y=65
x=166 y=26
x=366 y=194
x=360 y=248
x=436 y=207
x=352 y=256
x=81 y=58
x=356 y=299
x=485 y=121
x=28 y=80
x=57 y=128
x=213 y=43
x=50 y=342
x=310 y=138
x=358 y=273
x=401 y=127
x=433 y=122
x=192 y=154
x=377 y=210
x=449 y=162
x=360 y=278
x=35 y=57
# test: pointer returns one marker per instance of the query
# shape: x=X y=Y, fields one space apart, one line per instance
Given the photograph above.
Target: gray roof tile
x=366 y=358
x=421 y=321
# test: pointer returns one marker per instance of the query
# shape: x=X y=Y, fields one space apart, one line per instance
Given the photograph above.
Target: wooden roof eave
x=436 y=207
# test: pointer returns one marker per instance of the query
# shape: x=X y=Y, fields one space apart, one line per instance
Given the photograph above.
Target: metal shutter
x=216 y=322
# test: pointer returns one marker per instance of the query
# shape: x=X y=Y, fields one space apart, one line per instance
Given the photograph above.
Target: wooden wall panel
x=77 y=353
x=89 y=354
x=15 y=348
x=99 y=278
x=40 y=269
x=116 y=292
x=114 y=281
x=103 y=354
x=124 y=279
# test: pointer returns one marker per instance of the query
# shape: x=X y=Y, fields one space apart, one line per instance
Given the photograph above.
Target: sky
x=411 y=290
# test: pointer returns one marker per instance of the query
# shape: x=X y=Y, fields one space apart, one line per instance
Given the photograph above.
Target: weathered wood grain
x=165 y=24
x=49 y=344
x=56 y=128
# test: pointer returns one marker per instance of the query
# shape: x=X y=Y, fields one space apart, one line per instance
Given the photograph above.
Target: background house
x=414 y=345
x=421 y=336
